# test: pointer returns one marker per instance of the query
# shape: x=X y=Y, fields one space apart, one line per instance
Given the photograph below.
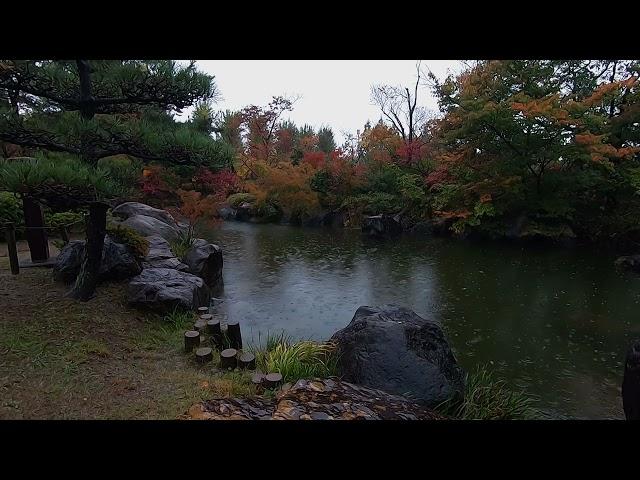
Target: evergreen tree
x=95 y=109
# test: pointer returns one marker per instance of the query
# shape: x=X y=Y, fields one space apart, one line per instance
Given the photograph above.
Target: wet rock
x=118 y=263
x=130 y=209
x=147 y=226
x=205 y=260
x=632 y=262
x=316 y=399
x=227 y=213
x=232 y=409
x=161 y=256
x=381 y=226
x=393 y=349
x=245 y=211
x=164 y=289
x=69 y=261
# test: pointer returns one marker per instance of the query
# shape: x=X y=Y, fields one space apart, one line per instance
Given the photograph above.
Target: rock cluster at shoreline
x=161 y=281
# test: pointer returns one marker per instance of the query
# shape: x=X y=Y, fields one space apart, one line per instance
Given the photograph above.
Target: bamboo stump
x=204 y=355
x=203 y=310
x=272 y=380
x=234 y=335
x=247 y=360
x=191 y=340
x=201 y=323
x=228 y=358
x=213 y=329
x=257 y=378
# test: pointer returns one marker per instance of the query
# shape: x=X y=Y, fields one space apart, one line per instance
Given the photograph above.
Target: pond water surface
x=556 y=322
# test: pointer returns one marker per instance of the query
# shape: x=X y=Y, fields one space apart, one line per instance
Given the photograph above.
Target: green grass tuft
x=297 y=360
x=489 y=399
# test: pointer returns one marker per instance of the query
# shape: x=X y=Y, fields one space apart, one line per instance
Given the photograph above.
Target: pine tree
x=94 y=109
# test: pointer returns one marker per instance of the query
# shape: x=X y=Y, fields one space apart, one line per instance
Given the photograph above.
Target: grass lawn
x=62 y=359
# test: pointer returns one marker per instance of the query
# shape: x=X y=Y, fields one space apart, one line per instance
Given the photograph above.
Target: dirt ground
x=63 y=359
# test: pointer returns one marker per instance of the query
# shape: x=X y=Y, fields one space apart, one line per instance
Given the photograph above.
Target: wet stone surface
x=318 y=399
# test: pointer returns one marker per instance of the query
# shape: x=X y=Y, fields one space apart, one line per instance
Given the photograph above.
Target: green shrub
x=10 y=212
x=10 y=209
x=488 y=399
x=294 y=361
x=238 y=199
x=128 y=236
x=373 y=203
x=60 y=219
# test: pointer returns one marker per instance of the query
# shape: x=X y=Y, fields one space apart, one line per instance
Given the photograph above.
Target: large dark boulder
x=148 y=226
x=130 y=209
x=205 y=260
x=395 y=350
x=118 y=263
x=381 y=226
x=163 y=289
x=632 y=262
x=631 y=383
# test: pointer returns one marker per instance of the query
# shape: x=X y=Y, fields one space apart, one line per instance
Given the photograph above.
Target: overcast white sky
x=333 y=92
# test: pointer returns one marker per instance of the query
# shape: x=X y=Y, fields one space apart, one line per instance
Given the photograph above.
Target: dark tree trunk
x=36 y=236
x=85 y=286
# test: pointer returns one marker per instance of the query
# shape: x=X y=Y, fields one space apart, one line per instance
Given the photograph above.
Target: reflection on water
x=555 y=322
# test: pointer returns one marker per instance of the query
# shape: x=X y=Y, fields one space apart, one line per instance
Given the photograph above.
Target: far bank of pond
x=554 y=321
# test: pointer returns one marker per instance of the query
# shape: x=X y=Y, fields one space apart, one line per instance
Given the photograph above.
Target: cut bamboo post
x=204 y=355
x=257 y=378
x=272 y=380
x=247 y=360
x=191 y=340
x=234 y=335
x=203 y=310
x=12 y=248
x=228 y=358
x=213 y=329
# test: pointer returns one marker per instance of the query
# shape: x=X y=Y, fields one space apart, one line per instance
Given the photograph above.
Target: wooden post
x=257 y=378
x=203 y=310
x=191 y=340
x=12 y=248
x=201 y=322
x=233 y=332
x=272 y=380
x=204 y=355
x=228 y=358
x=631 y=383
x=36 y=236
x=64 y=234
x=247 y=360
x=213 y=329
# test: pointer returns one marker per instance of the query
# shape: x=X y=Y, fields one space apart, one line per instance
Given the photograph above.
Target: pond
x=555 y=322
